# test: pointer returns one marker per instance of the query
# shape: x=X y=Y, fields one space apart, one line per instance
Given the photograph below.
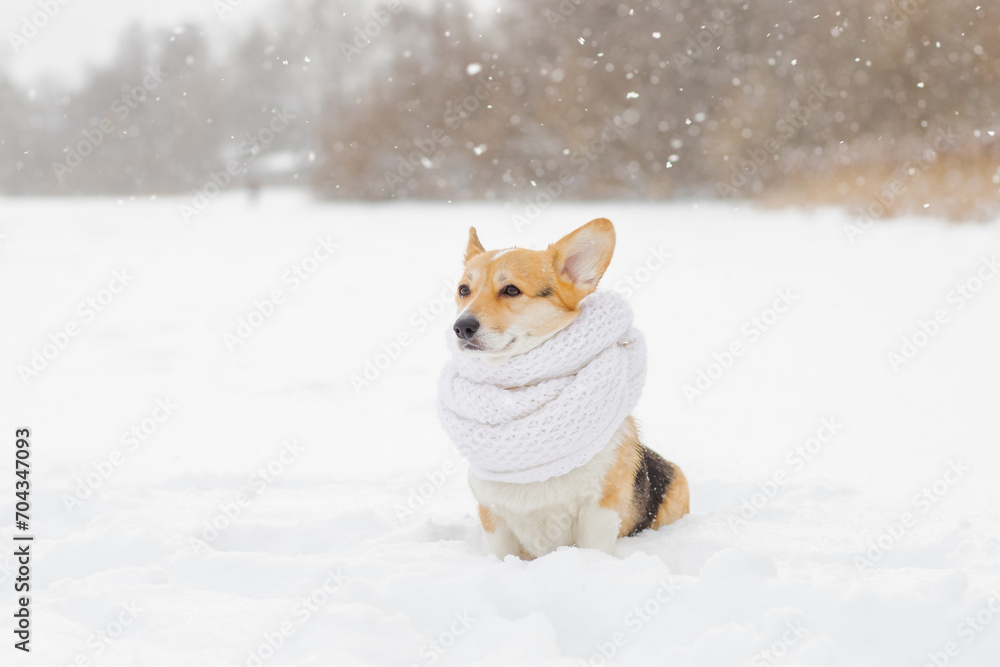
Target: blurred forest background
x=885 y=107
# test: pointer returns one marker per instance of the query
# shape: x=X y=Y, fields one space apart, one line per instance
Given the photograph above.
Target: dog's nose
x=466 y=327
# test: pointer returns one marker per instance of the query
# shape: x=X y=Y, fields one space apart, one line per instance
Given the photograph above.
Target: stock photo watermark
x=34 y=23
x=927 y=329
x=456 y=113
x=632 y=282
x=431 y=651
x=87 y=311
x=132 y=439
x=750 y=333
x=564 y=9
x=365 y=33
x=634 y=622
x=263 y=309
x=968 y=629
x=104 y=638
x=302 y=611
x=216 y=182
x=910 y=172
x=223 y=8
x=419 y=495
x=797 y=116
x=921 y=504
x=581 y=158
x=900 y=14
x=711 y=34
x=257 y=483
x=418 y=322
x=119 y=112
x=796 y=460
x=781 y=647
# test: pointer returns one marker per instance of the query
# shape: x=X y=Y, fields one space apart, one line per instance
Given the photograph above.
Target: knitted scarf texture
x=552 y=409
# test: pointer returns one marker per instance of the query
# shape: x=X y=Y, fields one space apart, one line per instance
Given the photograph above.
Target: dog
x=511 y=301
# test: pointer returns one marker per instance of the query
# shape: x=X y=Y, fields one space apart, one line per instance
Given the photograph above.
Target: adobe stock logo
x=968 y=630
x=419 y=495
x=214 y=183
x=927 y=329
x=796 y=459
x=32 y=25
x=265 y=308
x=363 y=35
x=87 y=310
x=133 y=439
x=922 y=503
x=708 y=37
x=302 y=611
x=434 y=649
x=750 y=332
x=582 y=158
x=797 y=116
x=635 y=620
x=118 y=112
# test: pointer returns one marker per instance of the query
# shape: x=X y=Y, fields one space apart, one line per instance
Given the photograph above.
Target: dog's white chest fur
x=538 y=517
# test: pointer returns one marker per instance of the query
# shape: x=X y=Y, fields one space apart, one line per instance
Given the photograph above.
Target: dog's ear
x=582 y=256
x=475 y=247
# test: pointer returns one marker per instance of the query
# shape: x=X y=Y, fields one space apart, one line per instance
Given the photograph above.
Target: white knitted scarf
x=545 y=412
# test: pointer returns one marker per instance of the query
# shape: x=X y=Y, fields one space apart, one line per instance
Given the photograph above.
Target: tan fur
x=552 y=281
x=487 y=519
x=487 y=273
x=619 y=487
x=619 y=482
x=474 y=247
x=676 y=501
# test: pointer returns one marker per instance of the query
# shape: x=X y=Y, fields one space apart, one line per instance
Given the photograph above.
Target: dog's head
x=511 y=301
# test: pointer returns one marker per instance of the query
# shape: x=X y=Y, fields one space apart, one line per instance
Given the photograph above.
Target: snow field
x=254 y=503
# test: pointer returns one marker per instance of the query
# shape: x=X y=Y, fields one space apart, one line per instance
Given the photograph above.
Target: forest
x=884 y=107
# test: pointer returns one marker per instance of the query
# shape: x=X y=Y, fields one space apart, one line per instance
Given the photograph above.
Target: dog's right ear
x=475 y=247
x=582 y=256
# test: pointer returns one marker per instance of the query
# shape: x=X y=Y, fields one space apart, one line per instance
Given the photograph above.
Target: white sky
x=86 y=32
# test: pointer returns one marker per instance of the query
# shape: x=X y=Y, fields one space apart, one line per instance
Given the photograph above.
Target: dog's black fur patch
x=651 y=483
x=545 y=293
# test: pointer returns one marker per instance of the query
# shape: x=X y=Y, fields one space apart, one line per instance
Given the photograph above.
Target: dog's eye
x=510 y=290
x=463 y=290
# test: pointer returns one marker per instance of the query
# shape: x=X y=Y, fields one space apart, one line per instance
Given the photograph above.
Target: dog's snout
x=466 y=327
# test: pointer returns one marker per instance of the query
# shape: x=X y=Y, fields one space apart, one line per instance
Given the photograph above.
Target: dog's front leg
x=497 y=535
x=597 y=528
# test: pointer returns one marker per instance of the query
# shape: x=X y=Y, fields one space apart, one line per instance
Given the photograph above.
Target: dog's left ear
x=475 y=247
x=583 y=256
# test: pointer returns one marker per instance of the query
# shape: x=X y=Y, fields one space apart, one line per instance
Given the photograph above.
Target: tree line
x=884 y=106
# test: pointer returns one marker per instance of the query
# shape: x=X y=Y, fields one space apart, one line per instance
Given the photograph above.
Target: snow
x=806 y=450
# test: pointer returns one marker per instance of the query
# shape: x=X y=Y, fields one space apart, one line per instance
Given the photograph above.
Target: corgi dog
x=511 y=301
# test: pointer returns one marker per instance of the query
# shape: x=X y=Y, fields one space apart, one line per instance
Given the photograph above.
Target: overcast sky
x=85 y=32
